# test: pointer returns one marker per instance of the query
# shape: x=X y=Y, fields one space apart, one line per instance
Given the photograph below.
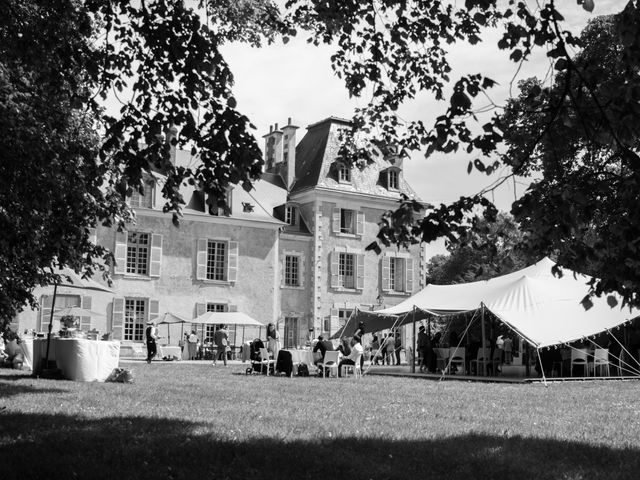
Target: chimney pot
x=270 y=128
x=289 y=121
x=276 y=127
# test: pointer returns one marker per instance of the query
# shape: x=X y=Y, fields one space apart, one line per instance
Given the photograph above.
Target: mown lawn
x=188 y=421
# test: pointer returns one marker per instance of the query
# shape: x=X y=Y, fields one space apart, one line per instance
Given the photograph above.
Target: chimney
x=170 y=134
x=289 y=153
x=272 y=149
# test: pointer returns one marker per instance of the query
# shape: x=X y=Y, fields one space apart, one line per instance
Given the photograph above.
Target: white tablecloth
x=170 y=351
x=301 y=356
x=85 y=360
x=27 y=351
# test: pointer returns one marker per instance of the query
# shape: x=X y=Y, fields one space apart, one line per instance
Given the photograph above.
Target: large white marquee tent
x=542 y=308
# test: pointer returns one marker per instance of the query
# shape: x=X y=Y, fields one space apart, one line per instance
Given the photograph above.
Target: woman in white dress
x=273 y=340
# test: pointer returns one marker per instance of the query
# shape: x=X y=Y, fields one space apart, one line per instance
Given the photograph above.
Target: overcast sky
x=295 y=80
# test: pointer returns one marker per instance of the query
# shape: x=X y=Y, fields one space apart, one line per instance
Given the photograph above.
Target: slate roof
x=316 y=154
x=264 y=197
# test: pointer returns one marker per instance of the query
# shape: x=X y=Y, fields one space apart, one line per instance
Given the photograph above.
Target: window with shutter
x=154 y=309
x=359 y=271
x=409 y=279
x=386 y=273
x=117 y=318
x=135 y=317
x=216 y=260
x=201 y=259
x=346 y=270
x=120 y=253
x=85 y=322
x=200 y=309
x=232 y=262
x=336 y=220
x=334 y=259
x=156 y=255
x=333 y=321
x=360 y=223
x=138 y=253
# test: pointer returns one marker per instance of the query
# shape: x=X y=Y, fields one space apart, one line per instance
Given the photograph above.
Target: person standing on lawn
x=273 y=340
x=192 y=345
x=397 y=346
x=151 y=335
x=423 y=348
x=221 y=339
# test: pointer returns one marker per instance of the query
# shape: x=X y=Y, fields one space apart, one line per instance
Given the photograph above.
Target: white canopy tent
x=226 y=318
x=543 y=309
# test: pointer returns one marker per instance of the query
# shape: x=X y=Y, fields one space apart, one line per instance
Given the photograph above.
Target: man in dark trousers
x=423 y=349
x=151 y=335
x=322 y=346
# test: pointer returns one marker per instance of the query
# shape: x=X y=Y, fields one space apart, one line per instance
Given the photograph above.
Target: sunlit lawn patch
x=199 y=421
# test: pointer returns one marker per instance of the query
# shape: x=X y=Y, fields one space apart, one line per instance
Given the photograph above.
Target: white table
x=27 y=351
x=169 y=351
x=301 y=356
x=79 y=359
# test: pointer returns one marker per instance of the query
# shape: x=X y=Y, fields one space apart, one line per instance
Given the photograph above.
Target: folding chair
x=352 y=369
x=579 y=357
x=266 y=360
x=601 y=360
x=330 y=362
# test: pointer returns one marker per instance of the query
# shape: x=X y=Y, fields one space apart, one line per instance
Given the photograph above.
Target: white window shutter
x=46 y=303
x=120 y=253
x=334 y=260
x=408 y=284
x=360 y=223
x=360 y=271
x=154 y=309
x=201 y=259
x=333 y=320
x=156 y=255
x=85 y=322
x=200 y=309
x=232 y=262
x=117 y=318
x=386 y=273
x=336 y=220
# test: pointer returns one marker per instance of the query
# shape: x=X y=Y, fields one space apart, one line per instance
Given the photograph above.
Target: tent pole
x=53 y=306
x=413 y=342
x=484 y=352
x=544 y=378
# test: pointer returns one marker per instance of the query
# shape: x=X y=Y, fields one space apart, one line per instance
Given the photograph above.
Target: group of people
x=350 y=348
x=386 y=350
x=220 y=340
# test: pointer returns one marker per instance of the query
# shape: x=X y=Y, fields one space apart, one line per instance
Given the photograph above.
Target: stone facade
x=291 y=252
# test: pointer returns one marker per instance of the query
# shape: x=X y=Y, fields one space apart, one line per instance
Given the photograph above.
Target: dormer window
x=290 y=215
x=216 y=208
x=344 y=173
x=393 y=180
x=144 y=200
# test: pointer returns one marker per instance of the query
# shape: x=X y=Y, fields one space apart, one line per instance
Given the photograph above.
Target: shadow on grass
x=8 y=388
x=65 y=446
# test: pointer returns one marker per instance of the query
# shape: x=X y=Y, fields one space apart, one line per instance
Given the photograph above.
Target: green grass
x=188 y=421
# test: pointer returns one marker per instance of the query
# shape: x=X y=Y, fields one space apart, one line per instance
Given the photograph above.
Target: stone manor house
x=291 y=251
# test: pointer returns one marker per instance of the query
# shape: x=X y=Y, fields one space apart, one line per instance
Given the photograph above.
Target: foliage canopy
x=59 y=60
